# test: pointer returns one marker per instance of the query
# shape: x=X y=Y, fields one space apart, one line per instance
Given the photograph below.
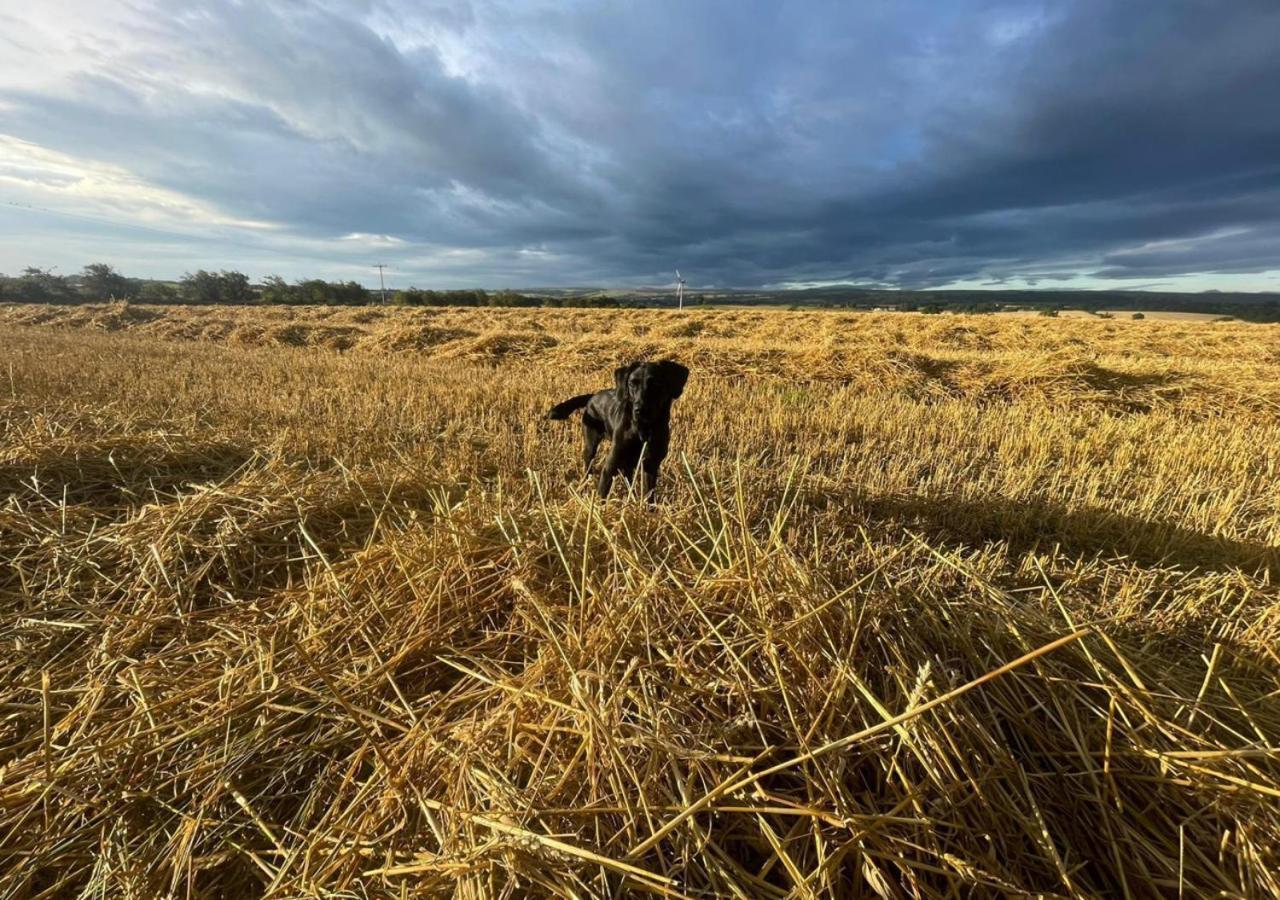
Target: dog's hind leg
x=592 y=435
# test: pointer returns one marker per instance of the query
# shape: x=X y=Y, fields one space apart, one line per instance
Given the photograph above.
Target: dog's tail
x=568 y=407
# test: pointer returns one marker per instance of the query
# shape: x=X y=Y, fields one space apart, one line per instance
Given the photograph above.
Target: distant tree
x=216 y=287
x=100 y=281
x=315 y=292
x=236 y=287
x=158 y=292
x=350 y=293
x=201 y=287
x=42 y=286
x=1139 y=315
x=318 y=292
x=276 y=290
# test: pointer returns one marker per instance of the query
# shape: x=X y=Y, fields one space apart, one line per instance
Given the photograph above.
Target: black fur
x=635 y=414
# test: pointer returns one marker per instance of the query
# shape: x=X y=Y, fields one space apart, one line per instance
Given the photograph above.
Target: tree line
x=416 y=297
x=100 y=282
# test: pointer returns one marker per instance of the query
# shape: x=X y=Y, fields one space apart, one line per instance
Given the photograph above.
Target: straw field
x=313 y=602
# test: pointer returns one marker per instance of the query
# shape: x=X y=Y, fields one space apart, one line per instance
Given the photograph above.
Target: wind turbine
x=679 y=290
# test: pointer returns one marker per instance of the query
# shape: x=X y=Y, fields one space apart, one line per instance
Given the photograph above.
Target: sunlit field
x=315 y=602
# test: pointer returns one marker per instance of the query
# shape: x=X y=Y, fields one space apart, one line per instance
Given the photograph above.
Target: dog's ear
x=673 y=376
x=620 y=377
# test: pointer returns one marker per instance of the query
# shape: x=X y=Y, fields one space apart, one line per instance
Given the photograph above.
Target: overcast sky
x=912 y=143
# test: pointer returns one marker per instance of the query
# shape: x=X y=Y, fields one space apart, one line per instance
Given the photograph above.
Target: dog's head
x=646 y=390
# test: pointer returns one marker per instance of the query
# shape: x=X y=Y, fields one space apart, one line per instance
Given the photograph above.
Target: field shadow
x=1089 y=382
x=1132 y=391
x=258 y=535
x=1081 y=531
x=119 y=473
x=917 y=374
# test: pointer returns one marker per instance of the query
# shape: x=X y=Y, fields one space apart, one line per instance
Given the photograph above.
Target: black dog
x=636 y=414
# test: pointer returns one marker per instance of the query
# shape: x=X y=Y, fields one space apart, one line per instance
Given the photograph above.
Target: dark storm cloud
x=914 y=144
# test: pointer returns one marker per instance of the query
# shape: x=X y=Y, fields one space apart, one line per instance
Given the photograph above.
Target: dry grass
x=934 y=606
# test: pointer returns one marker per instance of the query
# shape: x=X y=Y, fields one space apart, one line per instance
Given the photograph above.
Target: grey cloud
x=911 y=144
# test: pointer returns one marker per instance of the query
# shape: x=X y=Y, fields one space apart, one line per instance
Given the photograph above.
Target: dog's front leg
x=654 y=454
x=651 y=481
x=611 y=464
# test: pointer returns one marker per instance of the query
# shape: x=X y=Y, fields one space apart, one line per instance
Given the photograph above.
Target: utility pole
x=381 y=283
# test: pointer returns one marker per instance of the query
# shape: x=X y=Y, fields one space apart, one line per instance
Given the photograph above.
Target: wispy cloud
x=29 y=171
